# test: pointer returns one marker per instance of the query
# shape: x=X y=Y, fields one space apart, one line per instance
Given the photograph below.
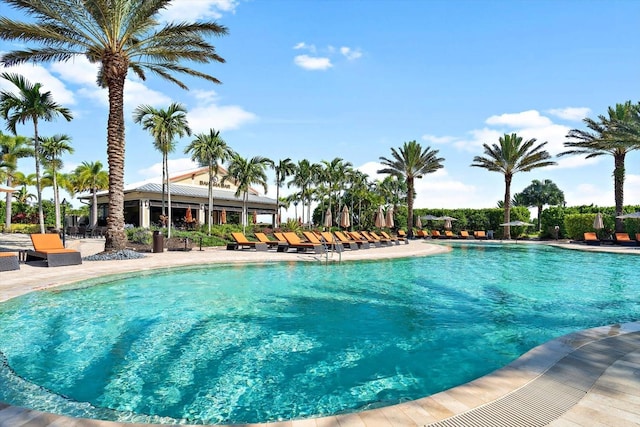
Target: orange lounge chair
x=464 y=234
x=331 y=239
x=348 y=240
x=591 y=239
x=480 y=234
x=243 y=243
x=9 y=261
x=394 y=239
x=422 y=234
x=624 y=239
x=294 y=242
x=49 y=247
x=401 y=233
x=358 y=236
x=435 y=234
x=449 y=234
x=315 y=239
x=371 y=235
x=271 y=243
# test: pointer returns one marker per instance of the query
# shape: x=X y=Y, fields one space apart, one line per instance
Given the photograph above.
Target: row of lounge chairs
x=316 y=242
x=448 y=234
x=622 y=239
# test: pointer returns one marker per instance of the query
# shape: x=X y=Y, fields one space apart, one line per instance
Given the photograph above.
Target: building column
x=145 y=214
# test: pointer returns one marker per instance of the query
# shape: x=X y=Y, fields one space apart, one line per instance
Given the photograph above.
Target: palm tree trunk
x=94 y=207
x=410 y=207
x=275 y=219
x=164 y=181
x=36 y=149
x=618 y=182
x=539 y=214
x=210 y=195
x=115 y=237
x=56 y=197
x=507 y=205
x=7 y=210
x=169 y=220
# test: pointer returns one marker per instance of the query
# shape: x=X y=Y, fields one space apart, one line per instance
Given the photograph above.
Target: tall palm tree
x=609 y=135
x=12 y=148
x=53 y=147
x=90 y=176
x=512 y=156
x=284 y=168
x=164 y=126
x=334 y=174
x=119 y=36
x=247 y=173
x=29 y=104
x=540 y=193
x=411 y=162
x=302 y=178
x=208 y=149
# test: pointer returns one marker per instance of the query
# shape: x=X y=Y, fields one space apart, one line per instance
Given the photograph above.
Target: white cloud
x=312 y=63
x=176 y=166
x=303 y=45
x=571 y=113
x=438 y=139
x=39 y=74
x=586 y=194
x=349 y=53
x=478 y=137
x=136 y=93
x=525 y=119
x=219 y=117
x=192 y=10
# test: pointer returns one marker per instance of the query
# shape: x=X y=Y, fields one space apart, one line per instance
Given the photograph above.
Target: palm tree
x=207 y=149
x=247 y=173
x=12 y=148
x=334 y=174
x=90 y=176
x=29 y=104
x=52 y=149
x=283 y=169
x=609 y=136
x=540 y=193
x=119 y=36
x=302 y=178
x=512 y=156
x=164 y=126
x=411 y=162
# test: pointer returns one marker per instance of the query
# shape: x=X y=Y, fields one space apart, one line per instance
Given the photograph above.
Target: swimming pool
x=229 y=344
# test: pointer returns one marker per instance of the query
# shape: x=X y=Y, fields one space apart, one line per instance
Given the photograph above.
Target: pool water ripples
x=240 y=344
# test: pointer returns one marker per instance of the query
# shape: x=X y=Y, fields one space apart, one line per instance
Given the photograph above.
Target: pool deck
x=587 y=378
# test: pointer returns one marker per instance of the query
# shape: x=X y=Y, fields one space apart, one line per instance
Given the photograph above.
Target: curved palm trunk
x=507 y=205
x=36 y=149
x=169 y=220
x=277 y=215
x=115 y=237
x=539 y=214
x=94 y=207
x=618 y=183
x=410 y=207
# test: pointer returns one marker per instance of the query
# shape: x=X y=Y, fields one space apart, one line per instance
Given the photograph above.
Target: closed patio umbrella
x=345 y=221
x=447 y=224
x=418 y=223
x=598 y=224
x=188 y=218
x=379 y=221
x=254 y=217
x=223 y=216
x=328 y=218
x=389 y=218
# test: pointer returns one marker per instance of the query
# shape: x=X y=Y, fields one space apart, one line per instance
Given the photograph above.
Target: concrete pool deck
x=587 y=378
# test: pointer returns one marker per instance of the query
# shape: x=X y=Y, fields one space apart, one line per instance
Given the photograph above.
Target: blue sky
x=351 y=79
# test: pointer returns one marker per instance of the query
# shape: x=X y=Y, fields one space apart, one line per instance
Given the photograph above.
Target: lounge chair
x=243 y=243
x=9 y=261
x=271 y=243
x=384 y=240
x=330 y=243
x=49 y=247
x=591 y=239
x=394 y=239
x=401 y=233
x=480 y=234
x=435 y=234
x=294 y=242
x=448 y=234
x=358 y=236
x=624 y=239
x=464 y=234
x=348 y=240
x=422 y=234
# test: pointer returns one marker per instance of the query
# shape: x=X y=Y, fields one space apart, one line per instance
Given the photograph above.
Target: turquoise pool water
x=237 y=344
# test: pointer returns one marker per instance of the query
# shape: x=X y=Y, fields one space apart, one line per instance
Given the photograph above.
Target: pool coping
x=449 y=407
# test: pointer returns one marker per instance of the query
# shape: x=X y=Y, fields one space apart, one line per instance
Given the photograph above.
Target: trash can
x=490 y=234
x=158 y=242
